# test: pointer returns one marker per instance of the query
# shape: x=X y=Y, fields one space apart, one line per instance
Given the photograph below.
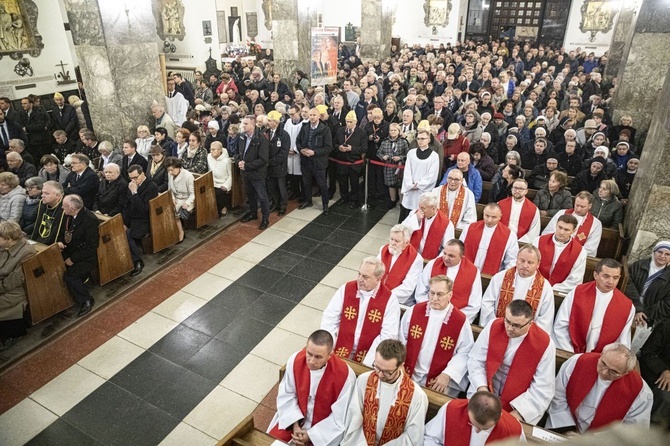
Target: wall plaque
x=18 y=29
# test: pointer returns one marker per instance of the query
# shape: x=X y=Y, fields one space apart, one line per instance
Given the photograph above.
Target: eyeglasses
x=385 y=373
x=133 y=178
x=610 y=371
x=453 y=179
x=517 y=326
x=422 y=137
x=433 y=293
x=519 y=188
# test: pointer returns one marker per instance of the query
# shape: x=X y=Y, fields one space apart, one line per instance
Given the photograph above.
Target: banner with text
x=325 y=42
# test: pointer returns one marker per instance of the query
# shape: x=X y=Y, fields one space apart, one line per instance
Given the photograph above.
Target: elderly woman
x=554 y=196
x=393 y=150
x=512 y=157
x=489 y=147
x=606 y=206
x=220 y=164
x=144 y=140
x=12 y=197
x=214 y=133
x=156 y=171
x=503 y=188
x=34 y=195
x=482 y=161
x=194 y=158
x=112 y=192
x=13 y=300
x=182 y=186
x=454 y=144
x=181 y=139
x=52 y=169
x=108 y=154
x=471 y=129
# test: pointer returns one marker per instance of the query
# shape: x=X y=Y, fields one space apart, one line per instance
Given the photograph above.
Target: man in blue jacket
x=472 y=176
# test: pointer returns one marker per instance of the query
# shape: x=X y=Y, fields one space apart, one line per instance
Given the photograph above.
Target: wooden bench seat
x=205 y=199
x=238 y=196
x=164 y=231
x=245 y=434
x=114 y=259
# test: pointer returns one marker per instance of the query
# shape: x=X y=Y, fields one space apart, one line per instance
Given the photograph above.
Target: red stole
x=397 y=417
x=431 y=248
x=446 y=341
x=617 y=399
x=496 y=251
x=467 y=273
x=526 y=217
x=585 y=229
x=327 y=393
x=564 y=263
x=533 y=295
x=457 y=210
x=372 y=325
x=457 y=430
x=524 y=364
x=583 y=304
x=393 y=277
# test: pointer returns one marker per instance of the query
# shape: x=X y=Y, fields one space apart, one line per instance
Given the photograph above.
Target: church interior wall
x=410 y=27
x=575 y=38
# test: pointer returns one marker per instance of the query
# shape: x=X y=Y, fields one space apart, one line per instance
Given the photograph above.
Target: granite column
x=377 y=17
x=117 y=52
x=642 y=75
x=621 y=37
x=292 y=21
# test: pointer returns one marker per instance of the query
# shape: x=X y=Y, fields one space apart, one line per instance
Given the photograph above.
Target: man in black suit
x=63 y=146
x=10 y=113
x=351 y=143
x=254 y=151
x=470 y=87
x=64 y=117
x=280 y=142
x=79 y=248
x=130 y=157
x=314 y=143
x=20 y=168
x=82 y=181
x=9 y=130
x=136 y=213
x=35 y=123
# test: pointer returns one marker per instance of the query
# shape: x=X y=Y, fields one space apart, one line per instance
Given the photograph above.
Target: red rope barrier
x=379 y=163
x=346 y=163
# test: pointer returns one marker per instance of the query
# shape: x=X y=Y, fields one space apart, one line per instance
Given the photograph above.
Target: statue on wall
x=436 y=13
x=170 y=19
x=597 y=16
x=18 y=29
x=267 y=12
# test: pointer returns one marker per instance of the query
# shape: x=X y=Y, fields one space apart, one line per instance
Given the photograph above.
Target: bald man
x=112 y=192
x=473 y=178
x=64 y=117
x=20 y=168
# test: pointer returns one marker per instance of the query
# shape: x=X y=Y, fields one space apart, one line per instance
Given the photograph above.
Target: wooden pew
x=237 y=194
x=45 y=287
x=114 y=259
x=205 y=199
x=245 y=434
x=164 y=231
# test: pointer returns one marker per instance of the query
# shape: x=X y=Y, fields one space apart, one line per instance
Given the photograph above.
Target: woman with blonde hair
x=144 y=141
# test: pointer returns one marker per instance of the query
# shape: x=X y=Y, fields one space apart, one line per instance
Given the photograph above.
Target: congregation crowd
x=437 y=130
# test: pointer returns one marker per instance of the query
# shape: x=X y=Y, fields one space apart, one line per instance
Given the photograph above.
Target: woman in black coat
x=483 y=162
x=156 y=170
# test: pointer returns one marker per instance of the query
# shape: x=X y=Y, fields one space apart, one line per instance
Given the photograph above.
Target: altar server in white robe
x=515 y=359
x=590 y=229
x=525 y=282
x=467 y=291
x=457 y=201
x=370 y=420
x=421 y=172
x=438 y=338
x=403 y=265
x=176 y=105
x=596 y=389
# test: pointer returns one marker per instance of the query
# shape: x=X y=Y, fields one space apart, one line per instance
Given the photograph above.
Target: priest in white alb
x=422 y=170
x=403 y=265
x=457 y=201
x=431 y=228
x=387 y=406
x=525 y=282
x=590 y=229
x=467 y=289
x=515 y=359
x=563 y=258
x=362 y=313
x=594 y=390
x=595 y=313
x=520 y=214
x=438 y=338
x=489 y=244
x=313 y=395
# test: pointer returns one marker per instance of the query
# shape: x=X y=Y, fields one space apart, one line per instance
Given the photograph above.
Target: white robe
x=576 y=276
x=561 y=333
x=535 y=226
x=414 y=224
x=328 y=431
x=435 y=429
x=559 y=411
x=544 y=315
x=469 y=210
x=534 y=402
x=403 y=292
x=511 y=248
x=293 y=153
x=422 y=172
x=457 y=368
x=471 y=310
x=592 y=241
x=176 y=107
x=387 y=393
x=333 y=312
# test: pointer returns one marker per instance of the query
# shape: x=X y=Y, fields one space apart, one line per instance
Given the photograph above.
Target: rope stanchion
x=392 y=166
x=346 y=163
x=365 y=206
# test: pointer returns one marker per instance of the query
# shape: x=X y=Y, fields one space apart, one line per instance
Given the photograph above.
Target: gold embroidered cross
x=342 y=352
x=447 y=343
x=416 y=331
x=360 y=356
x=350 y=312
x=375 y=316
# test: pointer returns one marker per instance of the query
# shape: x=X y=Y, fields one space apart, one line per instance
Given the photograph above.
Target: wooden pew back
x=114 y=259
x=164 y=231
x=205 y=199
x=237 y=194
x=46 y=290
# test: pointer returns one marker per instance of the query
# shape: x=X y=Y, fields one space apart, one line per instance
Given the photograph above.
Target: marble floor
x=184 y=357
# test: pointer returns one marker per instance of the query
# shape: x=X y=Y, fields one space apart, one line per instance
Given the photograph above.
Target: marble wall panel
x=86 y=27
x=618 y=51
x=284 y=9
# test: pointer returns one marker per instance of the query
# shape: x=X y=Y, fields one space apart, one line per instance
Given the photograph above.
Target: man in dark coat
x=35 y=123
x=64 y=117
x=9 y=130
x=253 y=148
x=351 y=143
x=136 y=213
x=112 y=192
x=378 y=131
x=20 y=168
x=314 y=143
x=655 y=370
x=79 y=248
x=280 y=141
x=130 y=157
x=82 y=181
x=63 y=146
x=649 y=286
